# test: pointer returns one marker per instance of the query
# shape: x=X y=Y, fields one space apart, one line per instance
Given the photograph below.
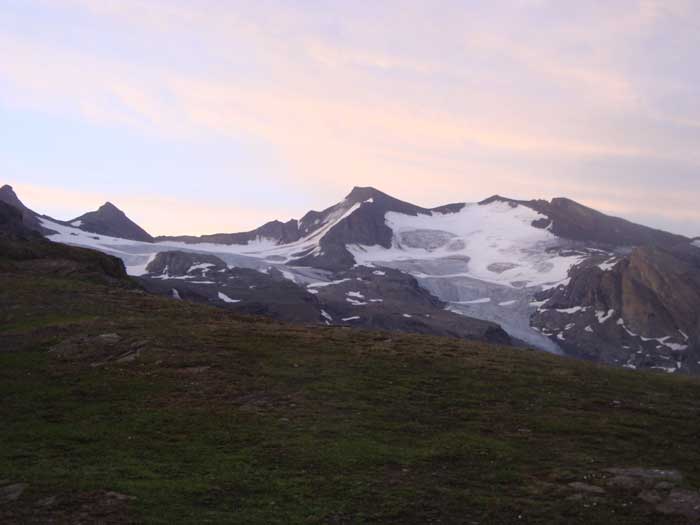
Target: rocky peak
x=109 y=209
x=110 y=220
x=497 y=198
x=361 y=194
x=8 y=195
x=108 y=206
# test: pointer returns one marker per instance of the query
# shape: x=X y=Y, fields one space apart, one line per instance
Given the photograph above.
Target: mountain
x=106 y=220
x=29 y=218
x=110 y=220
x=321 y=236
x=568 y=219
x=464 y=269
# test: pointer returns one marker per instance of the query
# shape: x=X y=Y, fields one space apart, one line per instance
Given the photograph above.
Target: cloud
x=472 y=100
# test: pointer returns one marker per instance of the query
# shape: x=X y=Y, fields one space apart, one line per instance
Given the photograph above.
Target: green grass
x=297 y=424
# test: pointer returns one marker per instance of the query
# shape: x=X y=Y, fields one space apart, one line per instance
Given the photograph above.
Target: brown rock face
x=660 y=291
x=642 y=311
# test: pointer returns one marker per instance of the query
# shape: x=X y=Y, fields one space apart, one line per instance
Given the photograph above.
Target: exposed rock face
x=392 y=300
x=110 y=220
x=207 y=279
x=12 y=223
x=29 y=218
x=641 y=310
x=361 y=297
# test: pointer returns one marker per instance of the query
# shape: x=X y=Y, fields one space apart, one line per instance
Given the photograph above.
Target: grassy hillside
x=123 y=407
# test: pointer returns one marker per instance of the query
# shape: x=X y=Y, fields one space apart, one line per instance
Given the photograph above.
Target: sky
x=203 y=116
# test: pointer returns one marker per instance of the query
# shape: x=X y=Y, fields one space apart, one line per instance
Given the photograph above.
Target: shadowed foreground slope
x=124 y=407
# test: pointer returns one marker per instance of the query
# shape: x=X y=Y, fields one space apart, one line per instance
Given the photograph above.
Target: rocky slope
x=207 y=279
x=636 y=310
x=361 y=297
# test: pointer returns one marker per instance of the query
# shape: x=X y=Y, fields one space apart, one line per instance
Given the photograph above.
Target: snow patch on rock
x=225 y=298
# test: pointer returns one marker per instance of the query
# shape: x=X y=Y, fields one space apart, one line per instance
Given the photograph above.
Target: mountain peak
x=497 y=198
x=109 y=207
x=110 y=220
x=362 y=193
x=8 y=195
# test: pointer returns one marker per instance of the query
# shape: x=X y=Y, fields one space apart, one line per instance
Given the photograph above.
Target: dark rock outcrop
x=392 y=300
x=207 y=279
x=29 y=218
x=361 y=297
x=110 y=220
x=12 y=224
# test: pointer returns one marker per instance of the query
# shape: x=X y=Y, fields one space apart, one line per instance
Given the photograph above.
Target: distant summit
x=110 y=220
x=106 y=220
